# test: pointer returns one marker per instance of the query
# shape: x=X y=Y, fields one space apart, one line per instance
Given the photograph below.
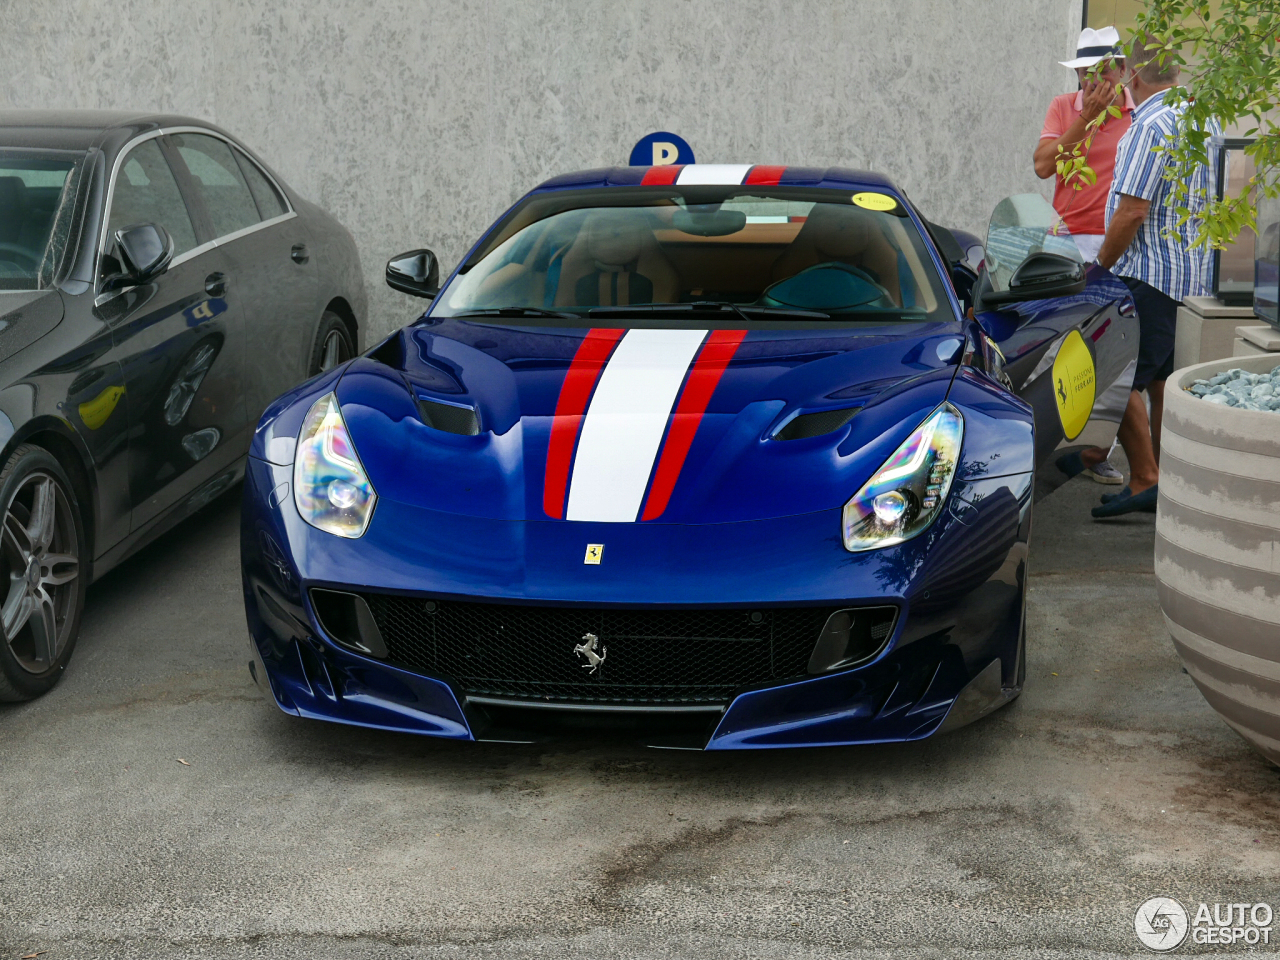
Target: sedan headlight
x=330 y=486
x=907 y=493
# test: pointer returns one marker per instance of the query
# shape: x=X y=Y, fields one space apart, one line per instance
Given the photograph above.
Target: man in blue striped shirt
x=1145 y=247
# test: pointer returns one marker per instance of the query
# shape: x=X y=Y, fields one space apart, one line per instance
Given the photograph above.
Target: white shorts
x=1089 y=245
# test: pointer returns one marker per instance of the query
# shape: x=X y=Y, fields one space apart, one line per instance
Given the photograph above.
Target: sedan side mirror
x=416 y=273
x=145 y=251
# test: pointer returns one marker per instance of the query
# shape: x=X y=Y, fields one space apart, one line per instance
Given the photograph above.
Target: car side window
x=147 y=192
x=219 y=182
x=270 y=203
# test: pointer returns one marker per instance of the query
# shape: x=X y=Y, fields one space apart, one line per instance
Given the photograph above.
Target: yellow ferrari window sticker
x=875 y=201
x=1073 y=384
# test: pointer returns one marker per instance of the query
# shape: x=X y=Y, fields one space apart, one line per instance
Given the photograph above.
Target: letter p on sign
x=660 y=149
x=664 y=153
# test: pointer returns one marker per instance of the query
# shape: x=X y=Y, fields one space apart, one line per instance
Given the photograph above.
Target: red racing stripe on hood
x=704 y=375
x=575 y=392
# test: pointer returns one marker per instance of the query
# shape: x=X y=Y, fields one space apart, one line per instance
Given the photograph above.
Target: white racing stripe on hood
x=626 y=420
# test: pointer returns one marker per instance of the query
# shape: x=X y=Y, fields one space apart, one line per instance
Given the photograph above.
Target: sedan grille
x=683 y=656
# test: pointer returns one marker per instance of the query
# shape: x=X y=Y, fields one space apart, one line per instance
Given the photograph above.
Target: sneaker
x=1105 y=473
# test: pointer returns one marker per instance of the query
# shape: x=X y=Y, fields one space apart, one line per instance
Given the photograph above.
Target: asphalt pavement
x=154 y=805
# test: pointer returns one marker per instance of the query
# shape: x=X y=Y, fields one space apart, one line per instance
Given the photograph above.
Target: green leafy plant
x=1227 y=51
x=1072 y=161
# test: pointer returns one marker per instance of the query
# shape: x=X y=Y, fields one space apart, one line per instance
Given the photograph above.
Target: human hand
x=1098 y=95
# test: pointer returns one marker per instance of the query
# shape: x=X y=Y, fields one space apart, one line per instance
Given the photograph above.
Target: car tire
x=1022 y=649
x=332 y=345
x=47 y=574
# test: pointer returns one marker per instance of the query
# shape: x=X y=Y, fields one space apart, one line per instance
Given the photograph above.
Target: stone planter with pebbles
x=1217 y=559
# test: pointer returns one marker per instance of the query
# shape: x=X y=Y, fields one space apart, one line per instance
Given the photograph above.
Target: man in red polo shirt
x=1084 y=211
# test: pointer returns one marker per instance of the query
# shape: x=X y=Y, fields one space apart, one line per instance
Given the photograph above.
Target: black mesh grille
x=650 y=656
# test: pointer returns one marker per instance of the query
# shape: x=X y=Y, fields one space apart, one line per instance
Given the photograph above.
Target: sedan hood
x=643 y=424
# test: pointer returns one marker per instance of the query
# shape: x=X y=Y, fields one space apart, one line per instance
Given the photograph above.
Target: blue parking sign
x=659 y=149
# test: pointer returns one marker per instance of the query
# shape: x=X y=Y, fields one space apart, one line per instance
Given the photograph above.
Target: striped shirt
x=1161 y=253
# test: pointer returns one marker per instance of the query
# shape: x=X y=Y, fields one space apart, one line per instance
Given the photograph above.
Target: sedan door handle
x=299 y=253
x=215 y=284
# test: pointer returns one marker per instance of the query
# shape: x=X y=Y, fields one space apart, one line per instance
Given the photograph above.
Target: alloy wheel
x=42 y=551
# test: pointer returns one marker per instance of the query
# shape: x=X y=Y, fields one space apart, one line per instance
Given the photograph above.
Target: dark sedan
x=159 y=285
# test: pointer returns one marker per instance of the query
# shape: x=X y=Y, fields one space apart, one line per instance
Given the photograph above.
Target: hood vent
x=448 y=417
x=815 y=424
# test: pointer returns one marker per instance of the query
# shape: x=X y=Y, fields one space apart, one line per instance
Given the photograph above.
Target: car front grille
x=682 y=656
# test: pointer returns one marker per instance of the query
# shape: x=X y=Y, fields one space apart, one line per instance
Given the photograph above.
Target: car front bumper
x=953 y=654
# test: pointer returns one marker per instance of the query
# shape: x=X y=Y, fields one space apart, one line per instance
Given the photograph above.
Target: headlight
x=907 y=493
x=329 y=484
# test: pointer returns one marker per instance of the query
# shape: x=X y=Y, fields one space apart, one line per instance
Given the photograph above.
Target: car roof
x=82 y=129
x=746 y=174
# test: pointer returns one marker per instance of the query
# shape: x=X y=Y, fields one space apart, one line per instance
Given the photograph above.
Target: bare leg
x=1092 y=456
x=1155 y=390
x=1135 y=437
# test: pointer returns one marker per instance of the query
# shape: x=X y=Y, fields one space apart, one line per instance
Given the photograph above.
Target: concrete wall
x=416 y=123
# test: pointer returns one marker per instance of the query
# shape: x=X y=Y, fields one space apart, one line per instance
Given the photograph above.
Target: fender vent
x=449 y=418
x=815 y=424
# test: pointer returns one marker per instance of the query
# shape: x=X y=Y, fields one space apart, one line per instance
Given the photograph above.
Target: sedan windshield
x=37 y=191
x=761 y=251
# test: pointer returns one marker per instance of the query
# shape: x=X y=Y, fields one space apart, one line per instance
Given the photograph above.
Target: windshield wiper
x=740 y=309
x=517 y=312
x=719 y=305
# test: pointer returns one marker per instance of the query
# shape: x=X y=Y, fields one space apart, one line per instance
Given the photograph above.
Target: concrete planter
x=1218 y=550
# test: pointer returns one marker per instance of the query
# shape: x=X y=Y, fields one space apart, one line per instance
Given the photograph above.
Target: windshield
x=37 y=191
x=771 y=250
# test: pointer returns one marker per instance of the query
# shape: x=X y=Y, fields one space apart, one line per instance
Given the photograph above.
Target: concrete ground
x=1035 y=832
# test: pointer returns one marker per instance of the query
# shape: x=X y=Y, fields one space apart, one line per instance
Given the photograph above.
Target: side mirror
x=416 y=273
x=142 y=251
x=1040 y=276
x=963 y=280
x=145 y=251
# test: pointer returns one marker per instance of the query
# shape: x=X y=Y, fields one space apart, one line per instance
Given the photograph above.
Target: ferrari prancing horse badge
x=594 y=552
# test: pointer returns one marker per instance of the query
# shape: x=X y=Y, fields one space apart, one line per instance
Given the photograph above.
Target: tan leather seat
x=615 y=261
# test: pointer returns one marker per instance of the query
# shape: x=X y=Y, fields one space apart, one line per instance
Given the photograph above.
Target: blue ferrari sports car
x=721 y=456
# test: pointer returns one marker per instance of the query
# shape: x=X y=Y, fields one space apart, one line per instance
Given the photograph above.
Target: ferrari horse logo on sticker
x=587 y=648
x=1073 y=384
x=594 y=552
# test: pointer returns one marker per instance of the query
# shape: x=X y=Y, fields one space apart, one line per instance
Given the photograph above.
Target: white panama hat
x=1095 y=45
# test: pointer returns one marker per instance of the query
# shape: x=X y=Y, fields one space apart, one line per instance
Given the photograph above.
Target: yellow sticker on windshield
x=1073 y=384
x=875 y=201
